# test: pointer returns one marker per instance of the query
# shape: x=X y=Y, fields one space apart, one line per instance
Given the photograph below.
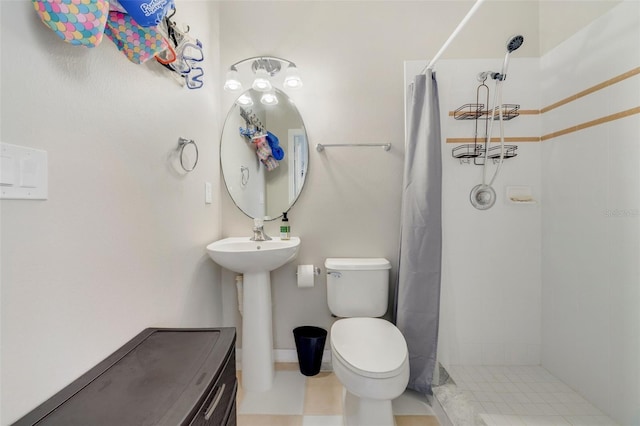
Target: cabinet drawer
x=219 y=405
x=232 y=420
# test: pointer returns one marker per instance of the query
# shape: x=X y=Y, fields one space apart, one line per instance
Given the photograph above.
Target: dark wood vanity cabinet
x=162 y=377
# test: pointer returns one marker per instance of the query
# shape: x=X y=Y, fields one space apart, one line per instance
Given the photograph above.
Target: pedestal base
x=257 y=333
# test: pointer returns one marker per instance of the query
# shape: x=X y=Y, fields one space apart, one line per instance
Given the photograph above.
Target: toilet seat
x=371 y=347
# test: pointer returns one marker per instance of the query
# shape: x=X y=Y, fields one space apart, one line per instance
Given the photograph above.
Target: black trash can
x=310 y=345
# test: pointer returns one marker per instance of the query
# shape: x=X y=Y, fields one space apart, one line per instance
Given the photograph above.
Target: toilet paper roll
x=306 y=276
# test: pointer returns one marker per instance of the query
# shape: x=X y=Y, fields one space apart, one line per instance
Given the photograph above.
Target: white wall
x=591 y=216
x=119 y=244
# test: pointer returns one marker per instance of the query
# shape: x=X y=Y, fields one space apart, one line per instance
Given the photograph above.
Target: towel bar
x=320 y=147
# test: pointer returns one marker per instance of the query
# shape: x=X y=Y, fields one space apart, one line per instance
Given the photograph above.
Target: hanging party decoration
x=147 y=13
x=79 y=22
x=140 y=29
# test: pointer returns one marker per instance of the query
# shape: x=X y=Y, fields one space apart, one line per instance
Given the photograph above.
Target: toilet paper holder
x=316 y=271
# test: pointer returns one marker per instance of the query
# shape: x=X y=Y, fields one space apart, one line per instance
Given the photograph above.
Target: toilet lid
x=372 y=347
x=356 y=264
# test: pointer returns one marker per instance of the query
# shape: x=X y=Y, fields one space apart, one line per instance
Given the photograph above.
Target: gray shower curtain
x=418 y=286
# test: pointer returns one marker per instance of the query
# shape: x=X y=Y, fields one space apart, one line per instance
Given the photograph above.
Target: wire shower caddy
x=478 y=112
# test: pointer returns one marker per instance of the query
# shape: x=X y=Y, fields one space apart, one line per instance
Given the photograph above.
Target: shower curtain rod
x=453 y=35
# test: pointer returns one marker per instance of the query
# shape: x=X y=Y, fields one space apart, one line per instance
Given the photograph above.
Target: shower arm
x=501 y=76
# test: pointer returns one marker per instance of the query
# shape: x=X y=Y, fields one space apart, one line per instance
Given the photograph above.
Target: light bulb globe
x=261 y=82
x=244 y=100
x=269 y=98
x=232 y=83
x=292 y=79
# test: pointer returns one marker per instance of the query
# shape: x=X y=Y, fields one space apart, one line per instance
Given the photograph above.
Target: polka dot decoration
x=139 y=44
x=79 y=22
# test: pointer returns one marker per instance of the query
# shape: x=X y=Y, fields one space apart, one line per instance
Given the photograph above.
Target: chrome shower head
x=514 y=43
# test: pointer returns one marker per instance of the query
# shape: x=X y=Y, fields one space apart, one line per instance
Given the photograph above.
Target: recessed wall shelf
x=520 y=195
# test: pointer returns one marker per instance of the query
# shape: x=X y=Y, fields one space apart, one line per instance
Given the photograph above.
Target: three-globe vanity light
x=264 y=69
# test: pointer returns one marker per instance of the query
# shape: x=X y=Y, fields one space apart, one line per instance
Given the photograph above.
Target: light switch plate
x=23 y=173
x=207 y=193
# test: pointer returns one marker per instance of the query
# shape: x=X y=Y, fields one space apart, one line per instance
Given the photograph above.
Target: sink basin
x=240 y=254
x=255 y=260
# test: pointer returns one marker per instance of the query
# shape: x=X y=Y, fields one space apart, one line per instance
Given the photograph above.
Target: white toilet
x=368 y=354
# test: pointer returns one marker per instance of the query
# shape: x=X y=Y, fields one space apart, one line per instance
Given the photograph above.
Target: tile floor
x=524 y=396
x=298 y=400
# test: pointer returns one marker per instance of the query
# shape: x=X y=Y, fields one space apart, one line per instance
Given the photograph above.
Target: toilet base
x=366 y=412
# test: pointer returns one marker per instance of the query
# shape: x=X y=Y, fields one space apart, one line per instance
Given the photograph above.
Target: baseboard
x=288 y=356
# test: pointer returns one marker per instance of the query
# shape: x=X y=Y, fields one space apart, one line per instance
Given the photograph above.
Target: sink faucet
x=258 y=231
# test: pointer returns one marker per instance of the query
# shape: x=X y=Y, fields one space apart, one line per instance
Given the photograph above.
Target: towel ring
x=182 y=143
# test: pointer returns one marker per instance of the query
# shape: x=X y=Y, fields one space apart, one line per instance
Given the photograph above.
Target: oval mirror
x=264 y=154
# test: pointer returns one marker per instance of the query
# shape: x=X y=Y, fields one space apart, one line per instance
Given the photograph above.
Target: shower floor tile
x=524 y=395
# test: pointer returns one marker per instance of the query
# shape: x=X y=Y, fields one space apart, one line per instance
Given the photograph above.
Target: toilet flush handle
x=334 y=274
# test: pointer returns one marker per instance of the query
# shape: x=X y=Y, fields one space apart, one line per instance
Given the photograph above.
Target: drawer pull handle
x=214 y=404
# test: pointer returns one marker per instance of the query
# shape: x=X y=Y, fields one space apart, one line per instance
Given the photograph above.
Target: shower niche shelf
x=478 y=112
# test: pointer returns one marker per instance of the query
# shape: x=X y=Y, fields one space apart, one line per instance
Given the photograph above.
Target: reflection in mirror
x=264 y=154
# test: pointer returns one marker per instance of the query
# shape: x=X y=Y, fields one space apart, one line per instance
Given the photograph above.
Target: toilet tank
x=357 y=287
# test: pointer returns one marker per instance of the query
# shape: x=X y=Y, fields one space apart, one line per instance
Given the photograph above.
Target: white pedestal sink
x=255 y=260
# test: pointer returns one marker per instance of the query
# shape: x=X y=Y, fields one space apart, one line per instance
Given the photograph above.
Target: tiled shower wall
x=490 y=307
x=591 y=212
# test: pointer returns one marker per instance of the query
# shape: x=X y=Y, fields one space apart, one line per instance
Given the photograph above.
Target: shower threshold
x=476 y=395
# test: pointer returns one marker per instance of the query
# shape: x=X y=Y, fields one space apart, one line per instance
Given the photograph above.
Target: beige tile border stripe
x=593 y=89
x=508 y=139
x=565 y=101
x=592 y=123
